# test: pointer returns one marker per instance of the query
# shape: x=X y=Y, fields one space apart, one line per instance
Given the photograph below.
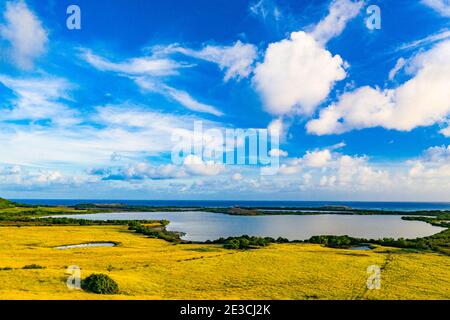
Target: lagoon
x=202 y=226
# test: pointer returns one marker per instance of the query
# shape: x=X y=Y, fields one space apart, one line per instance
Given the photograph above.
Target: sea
x=388 y=206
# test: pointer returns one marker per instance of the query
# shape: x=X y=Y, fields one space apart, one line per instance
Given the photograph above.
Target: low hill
x=7 y=204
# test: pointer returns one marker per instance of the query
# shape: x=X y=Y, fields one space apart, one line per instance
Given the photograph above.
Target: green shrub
x=100 y=283
x=244 y=242
x=33 y=266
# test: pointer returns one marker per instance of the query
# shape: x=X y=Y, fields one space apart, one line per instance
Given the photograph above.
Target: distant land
x=400 y=206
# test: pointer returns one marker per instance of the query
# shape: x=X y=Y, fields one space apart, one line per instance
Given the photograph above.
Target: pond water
x=86 y=245
x=202 y=226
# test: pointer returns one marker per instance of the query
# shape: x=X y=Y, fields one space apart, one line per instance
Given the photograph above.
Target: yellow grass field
x=154 y=269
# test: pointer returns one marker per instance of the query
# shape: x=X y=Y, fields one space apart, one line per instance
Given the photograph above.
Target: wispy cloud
x=146 y=73
x=236 y=60
x=130 y=131
x=24 y=32
x=41 y=98
x=151 y=66
x=180 y=96
x=266 y=10
x=441 y=6
x=425 y=41
x=340 y=13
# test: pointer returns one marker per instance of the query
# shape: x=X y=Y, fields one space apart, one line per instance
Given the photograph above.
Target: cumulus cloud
x=446 y=131
x=358 y=171
x=340 y=13
x=432 y=168
x=317 y=159
x=421 y=101
x=296 y=75
x=278 y=127
x=236 y=60
x=278 y=153
x=191 y=167
x=437 y=154
x=237 y=176
x=24 y=32
x=31 y=177
x=194 y=165
x=326 y=172
x=441 y=6
x=322 y=171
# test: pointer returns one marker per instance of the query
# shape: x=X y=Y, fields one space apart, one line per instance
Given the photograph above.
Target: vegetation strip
x=12 y=213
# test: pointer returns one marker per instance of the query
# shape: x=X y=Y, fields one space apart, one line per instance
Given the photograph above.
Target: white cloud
x=143 y=72
x=276 y=127
x=337 y=146
x=401 y=62
x=29 y=177
x=237 y=177
x=180 y=96
x=432 y=168
x=265 y=10
x=326 y=181
x=446 y=131
x=25 y=33
x=439 y=154
x=236 y=60
x=317 y=159
x=194 y=165
x=151 y=66
x=357 y=171
x=38 y=99
x=186 y=100
x=422 y=101
x=278 y=153
x=426 y=41
x=313 y=159
x=340 y=12
x=128 y=130
x=441 y=6
x=297 y=75
x=141 y=171
x=289 y=169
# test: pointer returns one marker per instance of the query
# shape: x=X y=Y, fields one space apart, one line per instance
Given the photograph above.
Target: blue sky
x=363 y=114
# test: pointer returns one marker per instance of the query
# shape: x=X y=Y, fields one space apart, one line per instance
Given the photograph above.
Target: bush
x=100 y=283
x=33 y=266
x=244 y=242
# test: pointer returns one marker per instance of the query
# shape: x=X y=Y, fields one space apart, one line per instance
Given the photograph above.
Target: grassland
x=155 y=269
